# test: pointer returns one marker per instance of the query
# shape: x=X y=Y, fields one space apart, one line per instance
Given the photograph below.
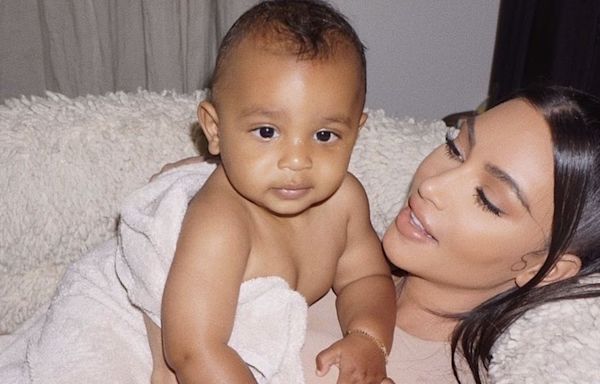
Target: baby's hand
x=358 y=358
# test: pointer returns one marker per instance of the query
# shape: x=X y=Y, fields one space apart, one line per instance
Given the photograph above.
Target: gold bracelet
x=378 y=342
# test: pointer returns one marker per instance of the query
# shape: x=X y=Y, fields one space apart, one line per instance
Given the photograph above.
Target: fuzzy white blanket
x=557 y=343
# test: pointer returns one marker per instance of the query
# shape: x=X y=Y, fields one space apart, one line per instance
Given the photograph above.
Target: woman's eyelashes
x=452 y=150
x=485 y=204
x=480 y=197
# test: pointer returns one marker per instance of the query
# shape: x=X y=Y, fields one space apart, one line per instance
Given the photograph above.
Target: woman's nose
x=296 y=156
x=437 y=189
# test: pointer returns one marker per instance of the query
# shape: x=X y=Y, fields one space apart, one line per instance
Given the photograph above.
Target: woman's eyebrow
x=471 y=130
x=512 y=184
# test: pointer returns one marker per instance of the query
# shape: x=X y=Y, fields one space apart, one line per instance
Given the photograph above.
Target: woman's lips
x=409 y=225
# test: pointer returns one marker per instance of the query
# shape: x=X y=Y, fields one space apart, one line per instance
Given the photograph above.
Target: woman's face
x=479 y=211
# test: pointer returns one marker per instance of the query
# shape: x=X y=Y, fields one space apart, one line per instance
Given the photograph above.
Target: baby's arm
x=365 y=299
x=201 y=295
x=161 y=373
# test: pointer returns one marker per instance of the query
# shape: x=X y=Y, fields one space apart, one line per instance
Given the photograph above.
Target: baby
x=284 y=113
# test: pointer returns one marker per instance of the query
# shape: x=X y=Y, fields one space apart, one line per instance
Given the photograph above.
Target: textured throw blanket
x=93 y=330
x=556 y=343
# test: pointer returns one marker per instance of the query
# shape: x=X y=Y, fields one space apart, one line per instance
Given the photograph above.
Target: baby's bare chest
x=305 y=255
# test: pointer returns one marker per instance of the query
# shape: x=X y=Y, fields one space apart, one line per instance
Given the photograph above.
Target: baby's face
x=286 y=127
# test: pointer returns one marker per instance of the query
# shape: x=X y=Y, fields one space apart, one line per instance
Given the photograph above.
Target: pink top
x=412 y=360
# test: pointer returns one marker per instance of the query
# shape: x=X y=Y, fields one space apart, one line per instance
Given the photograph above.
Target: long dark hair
x=574 y=120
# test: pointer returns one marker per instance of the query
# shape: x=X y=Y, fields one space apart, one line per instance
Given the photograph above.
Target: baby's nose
x=296 y=157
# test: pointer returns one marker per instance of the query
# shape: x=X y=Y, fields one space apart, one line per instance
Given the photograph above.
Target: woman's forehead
x=515 y=138
x=517 y=123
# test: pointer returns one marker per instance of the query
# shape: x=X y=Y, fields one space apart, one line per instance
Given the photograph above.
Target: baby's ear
x=362 y=120
x=568 y=265
x=209 y=122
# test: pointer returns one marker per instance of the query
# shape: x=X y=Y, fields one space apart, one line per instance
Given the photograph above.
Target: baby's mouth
x=292 y=192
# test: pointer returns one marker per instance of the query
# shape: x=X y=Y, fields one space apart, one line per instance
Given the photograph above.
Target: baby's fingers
x=387 y=380
x=326 y=358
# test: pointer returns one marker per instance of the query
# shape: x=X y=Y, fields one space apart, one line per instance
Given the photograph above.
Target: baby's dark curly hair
x=310 y=29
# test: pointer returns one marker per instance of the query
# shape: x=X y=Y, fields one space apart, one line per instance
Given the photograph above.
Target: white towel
x=270 y=331
x=270 y=319
x=89 y=334
x=94 y=332
x=149 y=226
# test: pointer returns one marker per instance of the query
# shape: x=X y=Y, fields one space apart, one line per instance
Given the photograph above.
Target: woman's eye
x=453 y=151
x=451 y=148
x=326 y=136
x=485 y=204
x=265 y=132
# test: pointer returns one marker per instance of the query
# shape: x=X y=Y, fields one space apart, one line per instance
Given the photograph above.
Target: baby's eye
x=326 y=136
x=265 y=132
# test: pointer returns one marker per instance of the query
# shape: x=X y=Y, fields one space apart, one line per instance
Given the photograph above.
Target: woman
x=502 y=218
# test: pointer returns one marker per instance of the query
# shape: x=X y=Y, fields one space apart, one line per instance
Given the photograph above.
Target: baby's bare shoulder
x=217 y=213
x=351 y=195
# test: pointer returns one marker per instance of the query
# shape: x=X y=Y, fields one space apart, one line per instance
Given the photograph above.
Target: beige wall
x=426 y=58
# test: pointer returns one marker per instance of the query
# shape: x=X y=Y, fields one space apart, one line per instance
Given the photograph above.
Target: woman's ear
x=209 y=122
x=568 y=265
